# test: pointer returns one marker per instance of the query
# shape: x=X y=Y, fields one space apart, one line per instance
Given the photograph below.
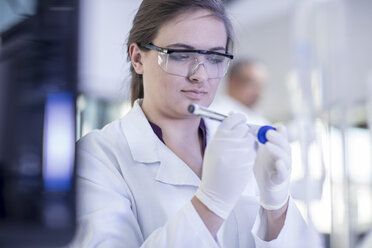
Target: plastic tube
x=258 y=131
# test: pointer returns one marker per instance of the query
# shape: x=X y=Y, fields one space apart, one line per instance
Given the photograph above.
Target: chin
x=204 y=102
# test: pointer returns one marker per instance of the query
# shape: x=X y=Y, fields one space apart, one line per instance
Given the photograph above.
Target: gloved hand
x=227 y=166
x=272 y=169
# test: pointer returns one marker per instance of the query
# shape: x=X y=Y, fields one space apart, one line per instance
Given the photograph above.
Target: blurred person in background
x=244 y=87
x=161 y=177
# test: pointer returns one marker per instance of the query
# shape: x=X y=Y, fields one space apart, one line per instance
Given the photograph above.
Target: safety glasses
x=185 y=62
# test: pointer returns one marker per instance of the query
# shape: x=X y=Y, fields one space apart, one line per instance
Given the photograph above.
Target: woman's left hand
x=272 y=169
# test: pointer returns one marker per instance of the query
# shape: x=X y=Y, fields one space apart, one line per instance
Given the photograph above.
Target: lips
x=194 y=94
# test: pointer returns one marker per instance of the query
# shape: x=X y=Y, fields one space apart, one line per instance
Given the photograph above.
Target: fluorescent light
x=59 y=141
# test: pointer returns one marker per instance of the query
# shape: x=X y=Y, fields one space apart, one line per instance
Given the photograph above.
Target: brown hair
x=152 y=14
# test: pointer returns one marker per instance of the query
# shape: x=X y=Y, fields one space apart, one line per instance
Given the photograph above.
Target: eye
x=179 y=56
x=215 y=59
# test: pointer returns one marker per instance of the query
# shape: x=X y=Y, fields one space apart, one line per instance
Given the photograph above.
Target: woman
x=150 y=180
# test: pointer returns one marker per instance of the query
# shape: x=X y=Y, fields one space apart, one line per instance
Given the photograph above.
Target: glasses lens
x=183 y=64
x=216 y=65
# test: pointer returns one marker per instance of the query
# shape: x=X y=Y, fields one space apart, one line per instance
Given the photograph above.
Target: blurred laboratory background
x=318 y=54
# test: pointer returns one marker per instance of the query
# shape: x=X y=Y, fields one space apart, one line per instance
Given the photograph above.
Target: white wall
x=104 y=27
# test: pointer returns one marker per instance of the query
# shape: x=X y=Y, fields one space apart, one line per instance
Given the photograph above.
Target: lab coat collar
x=175 y=171
x=172 y=169
x=135 y=126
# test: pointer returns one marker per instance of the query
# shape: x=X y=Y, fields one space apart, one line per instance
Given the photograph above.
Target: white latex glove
x=228 y=162
x=272 y=169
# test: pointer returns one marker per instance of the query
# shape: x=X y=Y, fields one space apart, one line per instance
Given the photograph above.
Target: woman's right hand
x=227 y=166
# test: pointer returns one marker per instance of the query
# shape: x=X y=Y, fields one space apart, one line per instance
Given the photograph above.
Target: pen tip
x=191 y=108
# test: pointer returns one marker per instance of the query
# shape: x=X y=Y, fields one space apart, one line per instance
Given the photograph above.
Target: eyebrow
x=181 y=45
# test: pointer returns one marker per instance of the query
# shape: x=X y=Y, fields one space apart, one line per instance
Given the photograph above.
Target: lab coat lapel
x=211 y=126
x=172 y=170
x=142 y=141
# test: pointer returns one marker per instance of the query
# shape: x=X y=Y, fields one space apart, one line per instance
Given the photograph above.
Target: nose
x=199 y=73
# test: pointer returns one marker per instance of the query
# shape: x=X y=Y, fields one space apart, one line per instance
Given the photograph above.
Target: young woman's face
x=171 y=94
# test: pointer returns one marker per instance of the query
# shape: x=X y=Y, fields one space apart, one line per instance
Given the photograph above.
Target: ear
x=136 y=58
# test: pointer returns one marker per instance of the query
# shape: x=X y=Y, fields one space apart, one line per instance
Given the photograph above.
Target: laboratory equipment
x=38 y=77
x=258 y=131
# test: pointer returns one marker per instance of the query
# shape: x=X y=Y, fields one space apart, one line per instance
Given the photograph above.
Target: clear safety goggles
x=184 y=62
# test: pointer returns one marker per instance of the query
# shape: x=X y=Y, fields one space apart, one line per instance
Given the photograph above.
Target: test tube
x=258 y=131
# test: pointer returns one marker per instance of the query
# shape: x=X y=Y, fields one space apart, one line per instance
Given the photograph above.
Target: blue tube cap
x=261 y=135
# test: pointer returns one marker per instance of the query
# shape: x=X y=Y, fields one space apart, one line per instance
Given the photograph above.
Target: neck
x=181 y=127
x=181 y=135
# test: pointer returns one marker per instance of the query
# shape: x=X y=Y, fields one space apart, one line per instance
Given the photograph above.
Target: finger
x=238 y=143
x=240 y=130
x=249 y=136
x=232 y=121
x=278 y=139
x=245 y=152
x=282 y=129
x=281 y=172
x=278 y=153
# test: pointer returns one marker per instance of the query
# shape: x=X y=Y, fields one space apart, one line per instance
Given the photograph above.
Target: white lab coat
x=135 y=192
